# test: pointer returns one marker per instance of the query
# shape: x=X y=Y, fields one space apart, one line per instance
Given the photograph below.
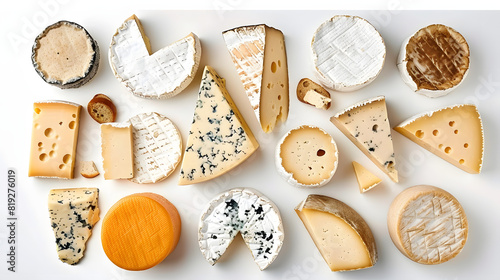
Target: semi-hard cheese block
x=117 y=150
x=427 y=224
x=140 y=231
x=454 y=133
x=348 y=53
x=242 y=211
x=53 y=139
x=434 y=60
x=157 y=147
x=65 y=55
x=73 y=214
x=259 y=55
x=219 y=138
x=342 y=236
x=307 y=156
x=366 y=124
x=158 y=75
x=366 y=179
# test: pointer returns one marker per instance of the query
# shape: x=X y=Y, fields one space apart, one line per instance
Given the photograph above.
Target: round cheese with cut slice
x=348 y=53
x=242 y=211
x=434 y=60
x=157 y=147
x=427 y=224
x=65 y=55
x=307 y=157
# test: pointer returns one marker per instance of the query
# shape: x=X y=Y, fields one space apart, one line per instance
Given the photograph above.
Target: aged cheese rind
x=117 y=150
x=73 y=214
x=242 y=211
x=348 y=53
x=366 y=179
x=158 y=75
x=310 y=163
x=157 y=147
x=427 y=224
x=341 y=247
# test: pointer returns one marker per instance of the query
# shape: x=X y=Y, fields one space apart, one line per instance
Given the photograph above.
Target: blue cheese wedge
x=241 y=211
x=73 y=214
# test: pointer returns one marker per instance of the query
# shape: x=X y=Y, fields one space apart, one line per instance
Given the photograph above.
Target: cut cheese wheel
x=454 y=133
x=366 y=179
x=342 y=236
x=427 y=224
x=307 y=156
x=140 y=231
x=434 y=60
x=117 y=150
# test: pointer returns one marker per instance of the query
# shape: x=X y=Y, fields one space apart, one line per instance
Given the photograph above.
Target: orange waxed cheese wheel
x=140 y=230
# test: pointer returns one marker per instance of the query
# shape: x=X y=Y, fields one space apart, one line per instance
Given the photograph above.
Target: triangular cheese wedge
x=366 y=124
x=366 y=179
x=453 y=133
x=219 y=139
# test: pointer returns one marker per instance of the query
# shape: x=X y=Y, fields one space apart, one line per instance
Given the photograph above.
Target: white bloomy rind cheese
x=427 y=224
x=453 y=133
x=157 y=147
x=242 y=211
x=158 y=75
x=341 y=235
x=348 y=53
x=366 y=124
x=307 y=157
x=73 y=214
x=259 y=55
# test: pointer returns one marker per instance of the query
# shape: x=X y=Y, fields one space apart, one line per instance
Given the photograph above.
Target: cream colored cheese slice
x=366 y=179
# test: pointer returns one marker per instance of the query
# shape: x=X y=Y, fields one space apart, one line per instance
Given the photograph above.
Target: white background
x=299 y=258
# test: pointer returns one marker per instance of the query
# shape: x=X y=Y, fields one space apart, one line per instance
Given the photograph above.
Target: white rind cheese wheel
x=427 y=224
x=242 y=211
x=348 y=53
x=307 y=157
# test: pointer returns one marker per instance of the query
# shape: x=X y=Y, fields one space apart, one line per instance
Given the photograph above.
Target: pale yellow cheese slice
x=366 y=179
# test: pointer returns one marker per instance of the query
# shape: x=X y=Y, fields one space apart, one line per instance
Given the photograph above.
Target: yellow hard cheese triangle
x=219 y=139
x=453 y=133
x=366 y=179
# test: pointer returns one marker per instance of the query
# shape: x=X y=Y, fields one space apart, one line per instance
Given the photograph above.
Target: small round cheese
x=348 y=53
x=307 y=157
x=427 y=224
x=434 y=60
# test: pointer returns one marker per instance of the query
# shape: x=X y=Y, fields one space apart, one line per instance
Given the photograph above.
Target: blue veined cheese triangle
x=219 y=138
x=366 y=124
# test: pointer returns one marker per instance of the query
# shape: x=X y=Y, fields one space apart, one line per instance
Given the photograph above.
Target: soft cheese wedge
x=342 y=236
x=427 y=224
x=366 y=179
x=73 y=214
x=454 y=133
x=219 y=139
x=158 y=75
x=259 y=55
x=242 y=211
x=366 y=124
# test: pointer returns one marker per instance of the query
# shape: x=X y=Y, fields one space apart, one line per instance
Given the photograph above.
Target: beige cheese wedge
x=366 y=179
x=117 y=150
x=342 y=236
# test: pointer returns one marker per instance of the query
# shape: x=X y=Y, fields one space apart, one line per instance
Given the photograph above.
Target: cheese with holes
x=117 y=150
x=73 y=214
x=454 y=133
x=53 y=139
x=341 y=235
x=348 y=53
x=307 y=156
x=242 y=211
x=140 y=231
x=366 y=124
x=366 y=179
x=259 y=55
x=157 y=147
x=219 y=138
x=427 y=224
x=434 y=60
x=158 y=75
